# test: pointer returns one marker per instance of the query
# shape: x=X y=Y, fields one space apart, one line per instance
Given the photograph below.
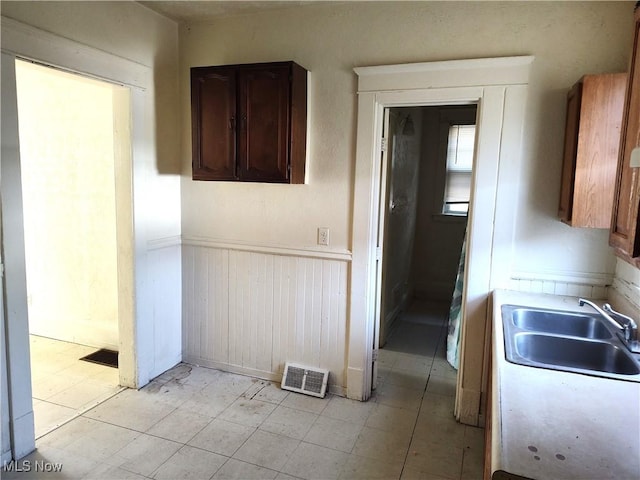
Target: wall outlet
x=323 y=236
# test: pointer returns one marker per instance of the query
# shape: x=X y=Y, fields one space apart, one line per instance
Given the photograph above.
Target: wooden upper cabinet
x=625 y=222
x=592 y=139
x=249 y=122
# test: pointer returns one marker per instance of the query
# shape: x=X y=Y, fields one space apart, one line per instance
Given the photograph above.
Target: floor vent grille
x=307 y=380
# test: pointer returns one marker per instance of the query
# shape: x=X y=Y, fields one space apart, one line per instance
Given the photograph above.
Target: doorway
x=68 y=146
x=428 y=162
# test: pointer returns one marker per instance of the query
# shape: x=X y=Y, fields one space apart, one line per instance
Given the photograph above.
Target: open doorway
x=428 y=159
x=68 y=143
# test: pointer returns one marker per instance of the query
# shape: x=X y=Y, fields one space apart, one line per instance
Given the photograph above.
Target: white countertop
x=548 y=424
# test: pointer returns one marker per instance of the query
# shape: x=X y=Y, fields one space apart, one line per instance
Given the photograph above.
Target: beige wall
x=568 y=40
x=126 y=29
x=67 y=158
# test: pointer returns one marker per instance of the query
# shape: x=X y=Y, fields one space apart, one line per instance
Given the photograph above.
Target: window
x=457 y=187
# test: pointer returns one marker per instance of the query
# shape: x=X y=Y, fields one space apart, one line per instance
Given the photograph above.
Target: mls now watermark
x=26 y=466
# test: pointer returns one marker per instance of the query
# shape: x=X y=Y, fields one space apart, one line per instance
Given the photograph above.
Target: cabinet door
x=213 y=110
x=625 y=225
x=263 y=146
x=570 y=151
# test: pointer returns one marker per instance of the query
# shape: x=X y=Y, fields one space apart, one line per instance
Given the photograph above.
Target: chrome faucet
x=621 y=322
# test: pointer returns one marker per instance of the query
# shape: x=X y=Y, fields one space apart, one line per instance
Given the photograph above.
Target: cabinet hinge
x=374 y=356
x=378 y=253
x=383 y=144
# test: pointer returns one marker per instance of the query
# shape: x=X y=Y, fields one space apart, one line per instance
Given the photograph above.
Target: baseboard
x=252 y=372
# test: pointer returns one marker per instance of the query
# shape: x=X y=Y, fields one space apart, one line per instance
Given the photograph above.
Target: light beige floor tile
x=130 y=410
x=371 y=442
x=222 y=437
x=472 y=464
x=413 y=474
x=306 y=402
x=440 y=430
x=238 y=470
x=62 y=465
x=441 y=385
x=83 y=395
x=289 y=422
x=267 y=450
x=248 y=412
x=350 y=410
x=101 y=441
x=437 y=458
x=49 y=385
x=199 y=376
x=413 y=363
x=84 y=370
x=392 y=419
x=68 y=433
x=49 y=415
x=284 y=476
x=407 y=379
x=315 y=462
x=333 y=433
x=474 y=438
x=437 y=405
x=210 y=404
x=271 y=393
x=397 y=396
x=144 y=454
x=180 y=425
x=365 y=468
x=442 y=368
x=190 y=463
x=230 y=383
x=109 y=472
x=172 y=392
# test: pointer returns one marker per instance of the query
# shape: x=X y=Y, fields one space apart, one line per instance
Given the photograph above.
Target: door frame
x=498 y=86
x=134 y=295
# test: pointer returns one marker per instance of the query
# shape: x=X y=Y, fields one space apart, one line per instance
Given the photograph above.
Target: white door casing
x=136 y=213
x=498 y=86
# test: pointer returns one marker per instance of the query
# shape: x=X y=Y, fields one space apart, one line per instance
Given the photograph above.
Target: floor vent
x=103 y=357
x=307 y=380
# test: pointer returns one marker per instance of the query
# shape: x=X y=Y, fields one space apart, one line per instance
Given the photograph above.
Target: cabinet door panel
x=570 y=147
x=213 y=97
x=264 y=124
x=625 y=224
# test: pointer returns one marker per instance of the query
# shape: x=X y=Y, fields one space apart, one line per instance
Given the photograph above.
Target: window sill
x=448 y=218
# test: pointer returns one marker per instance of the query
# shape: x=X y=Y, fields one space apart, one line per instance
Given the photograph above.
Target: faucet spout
x=626 y=324
x=582 y=301
x=629 y=326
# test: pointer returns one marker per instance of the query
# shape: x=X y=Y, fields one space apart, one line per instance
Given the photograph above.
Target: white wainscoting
x=249 y=309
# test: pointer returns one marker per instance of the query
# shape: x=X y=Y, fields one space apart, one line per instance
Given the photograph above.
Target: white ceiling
x=190 y=11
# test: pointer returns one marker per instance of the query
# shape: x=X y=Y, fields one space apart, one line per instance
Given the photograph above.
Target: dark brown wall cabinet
x=591 y=145
x=249 y=122
x=625 y=223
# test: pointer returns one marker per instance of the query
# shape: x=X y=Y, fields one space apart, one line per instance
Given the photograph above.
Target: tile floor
x=63 y=385
x=199 y=423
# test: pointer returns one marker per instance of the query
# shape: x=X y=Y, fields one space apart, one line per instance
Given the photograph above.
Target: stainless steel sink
x=559 y=322
x=575 y=353
x=569 y=341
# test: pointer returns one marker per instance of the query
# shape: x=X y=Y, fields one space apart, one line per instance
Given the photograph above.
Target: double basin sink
x=569 y=341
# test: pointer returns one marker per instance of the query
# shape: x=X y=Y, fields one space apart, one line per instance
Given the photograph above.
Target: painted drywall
x=68 y=183
x=330 y=40
x=147 y=44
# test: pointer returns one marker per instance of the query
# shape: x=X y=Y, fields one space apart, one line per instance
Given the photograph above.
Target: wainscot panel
x=249 y=309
